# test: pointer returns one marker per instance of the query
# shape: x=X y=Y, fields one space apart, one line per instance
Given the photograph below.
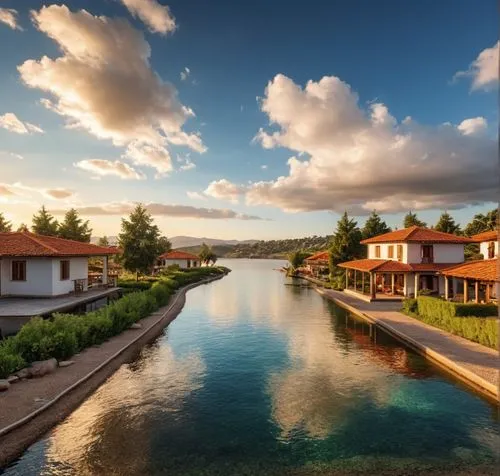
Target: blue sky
x=391 y=60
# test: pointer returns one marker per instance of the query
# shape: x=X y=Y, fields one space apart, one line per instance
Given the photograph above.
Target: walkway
x=471 y=362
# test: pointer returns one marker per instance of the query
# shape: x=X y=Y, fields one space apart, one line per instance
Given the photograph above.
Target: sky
x=248 y=120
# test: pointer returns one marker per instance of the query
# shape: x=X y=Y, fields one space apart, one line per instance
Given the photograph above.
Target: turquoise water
x=256 y=377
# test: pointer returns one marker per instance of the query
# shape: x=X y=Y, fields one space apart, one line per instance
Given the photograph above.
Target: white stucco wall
x=384 y=251
x=443 y=253
x=483 y=248
x=181 y=262
x=42 y=277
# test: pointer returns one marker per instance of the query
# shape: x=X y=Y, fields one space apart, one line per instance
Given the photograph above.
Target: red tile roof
x=177 y=254
x=29 y=244
x=321 y=256
x=486 y=236
x=481 y=270
x=417 y=234
x=392 y=266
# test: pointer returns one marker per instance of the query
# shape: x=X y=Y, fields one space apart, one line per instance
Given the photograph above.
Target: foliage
x=5 y=225
x=43 y=223
x=135 y=285
x=482 y=223
x=22 y=227
x=447 y=224
x=471 y=252
x=207 y=255
x=74 y=228
x=411 y=219
x=65 y=334
x=374 y=226
x=103 y=241
x=140 y=241
x=451 y=317
x=345 y=244
x=164 y=245
x=297 y=258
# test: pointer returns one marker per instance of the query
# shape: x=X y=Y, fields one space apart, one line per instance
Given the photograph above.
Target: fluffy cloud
x=56 y=193
x=11 y=154
x=185 y=74
x=19 y=190
x=102 y=167
x=484 y=69
x=157 y=17
x=474 y=125
x=12 y=123
x=103 y=83
x=224 y=190
x=160 y=209
x=195 y=195
x=9 y=17
x=359 y=159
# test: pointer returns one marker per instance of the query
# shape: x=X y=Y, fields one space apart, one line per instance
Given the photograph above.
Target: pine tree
x=411 y=219
x=74 y=228
x=374 y=226
x=140 y=241
x=44 y=223
x=346 y=244
x=447 y=224
x=22 y=228
x=5 y=225
x=164 y=245
x=103 y=241
x=482 y=223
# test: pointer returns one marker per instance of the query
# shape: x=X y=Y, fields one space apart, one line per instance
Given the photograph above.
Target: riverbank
x=472 y=363
x=32 y=407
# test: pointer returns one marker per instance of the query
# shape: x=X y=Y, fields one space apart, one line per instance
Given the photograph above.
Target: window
x=188 y=263
x=18 y=270
x=427 y=252
x=377 y=251
x=390 y=251
x=400 y=252
x=491 y=250
x=64 y=266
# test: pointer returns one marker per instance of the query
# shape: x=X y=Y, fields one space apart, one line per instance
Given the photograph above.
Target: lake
x=256 y=377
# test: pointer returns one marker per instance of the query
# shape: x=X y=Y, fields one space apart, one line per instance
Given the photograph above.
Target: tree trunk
x=137 y=275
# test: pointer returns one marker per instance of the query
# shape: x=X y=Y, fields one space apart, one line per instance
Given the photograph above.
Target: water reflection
x=255 y=377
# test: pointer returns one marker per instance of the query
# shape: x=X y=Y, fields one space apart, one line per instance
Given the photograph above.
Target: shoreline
x=23 y=423
x=472 y=363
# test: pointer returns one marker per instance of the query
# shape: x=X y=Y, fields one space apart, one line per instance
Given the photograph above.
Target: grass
x=63 y=335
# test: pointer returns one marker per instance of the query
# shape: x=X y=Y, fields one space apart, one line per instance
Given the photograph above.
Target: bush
x=410 y=306
x=436 y=308
x=65 y=334
x=481 y=310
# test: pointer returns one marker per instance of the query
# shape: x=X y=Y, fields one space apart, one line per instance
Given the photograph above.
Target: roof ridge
x=33 y=237
x=413 y=229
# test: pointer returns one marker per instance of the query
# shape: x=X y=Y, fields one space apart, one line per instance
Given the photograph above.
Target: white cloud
x=20 y=190
x=185 y=74
x=263 y=167
x=9 y=17
x=103 y=83
x=11 y=154
x=195 y=195
x=157 y=17
x=102 y=167
x=12 y=123
x=150 y=155
x=474 y=125
x=484 y=69
x=160 y=209
x=187 y=163
x=357 y=159
x=224 y=190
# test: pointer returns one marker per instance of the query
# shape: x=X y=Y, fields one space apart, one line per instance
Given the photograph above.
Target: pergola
x=482 y=274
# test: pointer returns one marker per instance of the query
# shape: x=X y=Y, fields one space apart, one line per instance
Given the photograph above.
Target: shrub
x=10 y=360
x=438 y=308
x=410 y=306
x=135 y=285
x=482 y=310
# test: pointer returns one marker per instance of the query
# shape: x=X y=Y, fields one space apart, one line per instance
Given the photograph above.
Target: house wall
x=384 y=251
x=443 y=253
x=182 y=263
x=483 y=248
x=42 y=277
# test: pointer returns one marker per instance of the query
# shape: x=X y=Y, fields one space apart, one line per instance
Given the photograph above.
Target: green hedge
x=66 y=334
x=447 y=316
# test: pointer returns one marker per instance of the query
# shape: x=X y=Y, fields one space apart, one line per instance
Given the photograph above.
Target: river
x=256 y=377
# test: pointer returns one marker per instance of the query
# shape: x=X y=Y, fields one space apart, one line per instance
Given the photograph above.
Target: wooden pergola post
x=466 y=290
x=355 y=278
x=446 y=288
x=417 y=281
x=347 y=278
x=362 y=282
x=476 y=292
x=393 y=284
x=372 y=286
x=488 y=294
x=405 y=285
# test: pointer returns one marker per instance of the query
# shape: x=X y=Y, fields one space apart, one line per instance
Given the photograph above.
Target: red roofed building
x=488 y=243
x=403 y=262
x=318 y=263
x=177 y=257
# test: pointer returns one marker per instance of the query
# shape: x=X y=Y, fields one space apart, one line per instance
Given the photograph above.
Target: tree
x=44 y=223
x=297 y=258
x=482 y=223
x=103 y=241
x=346 y=244
x=164 y=244
x=374 y=226
x=22 y=228
x=447 y=224
x=140 y=241
x=5 y=225
x=74 y=228
x=207 y=255
x=411 y=219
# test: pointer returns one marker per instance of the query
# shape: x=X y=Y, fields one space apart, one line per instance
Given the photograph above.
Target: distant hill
x=220 y=250
x=188 y=241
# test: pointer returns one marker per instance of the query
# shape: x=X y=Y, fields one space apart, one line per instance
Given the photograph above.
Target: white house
x=403 y=262
x=488 y=244
x=45 y=266
x=176 y=257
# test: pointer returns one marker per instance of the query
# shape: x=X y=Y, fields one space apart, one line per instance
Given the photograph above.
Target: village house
x=476 y=281
x=404 y=262
x=176 y=257
x=44 y=274
x=317 y=264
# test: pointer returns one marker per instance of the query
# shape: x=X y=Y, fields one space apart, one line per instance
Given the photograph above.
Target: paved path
x=473 y=363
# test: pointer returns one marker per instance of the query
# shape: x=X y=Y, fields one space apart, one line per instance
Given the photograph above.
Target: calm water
x=255 y=377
